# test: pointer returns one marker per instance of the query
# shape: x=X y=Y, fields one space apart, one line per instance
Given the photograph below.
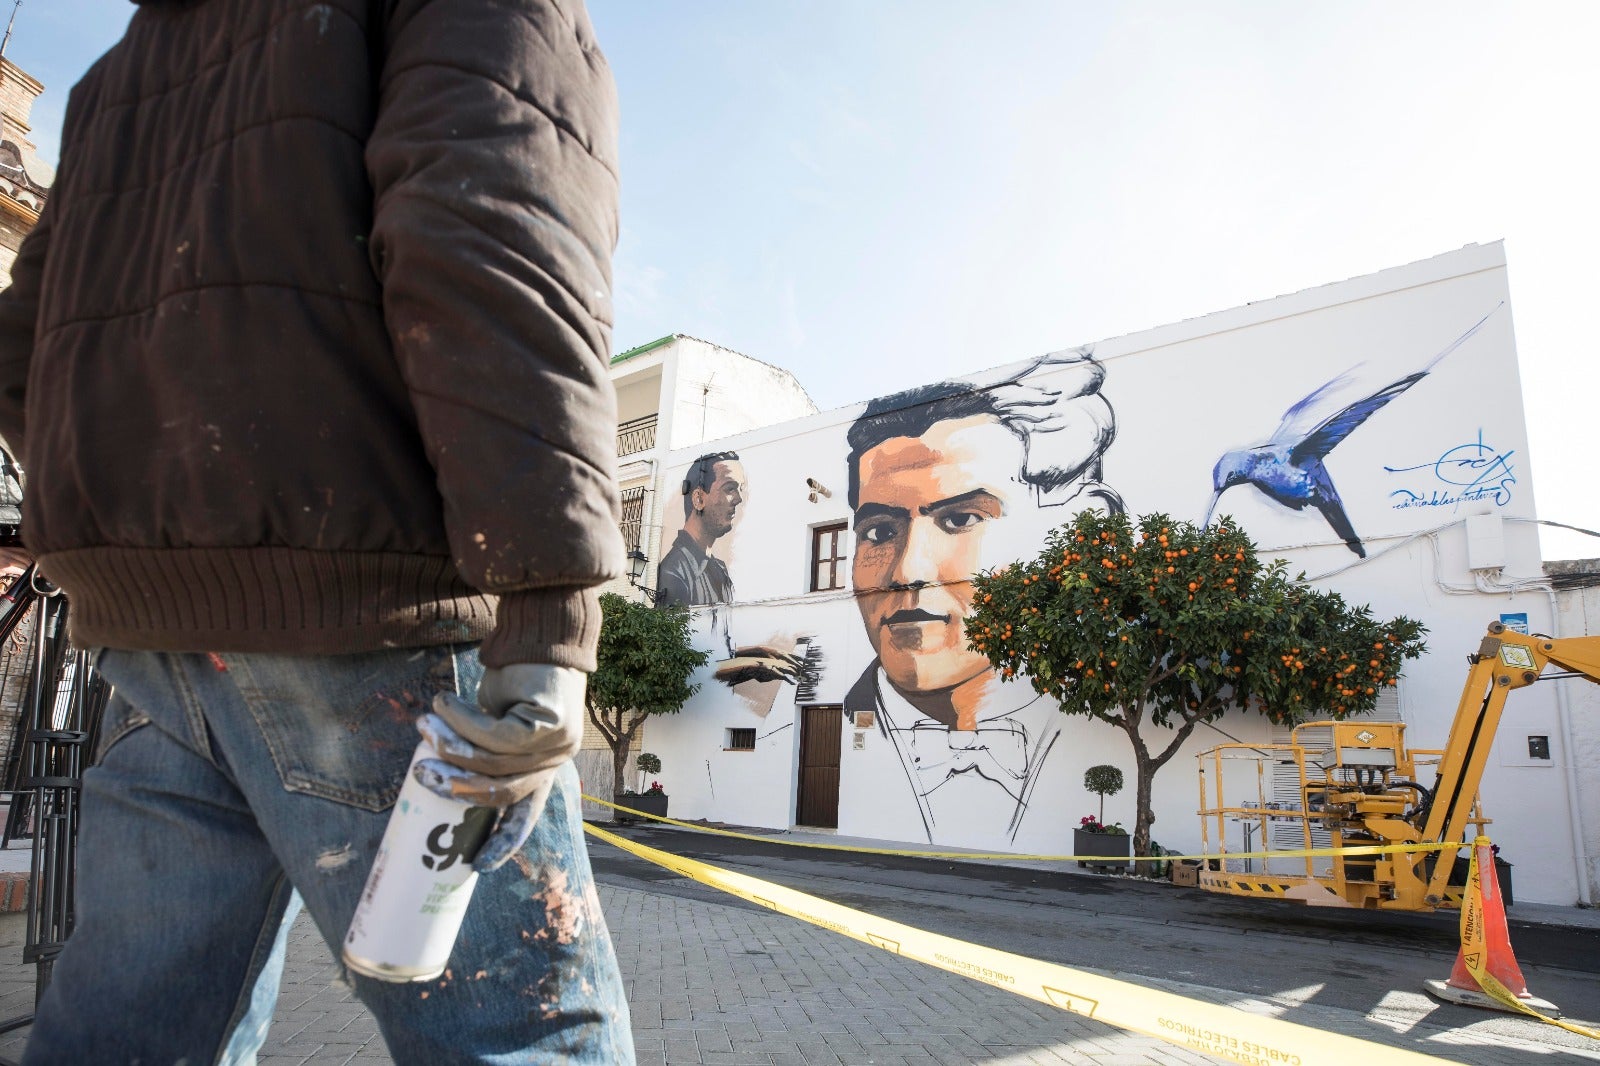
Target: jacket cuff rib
x=559 y=626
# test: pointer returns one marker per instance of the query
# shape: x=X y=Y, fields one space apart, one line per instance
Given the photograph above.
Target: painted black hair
x=701 y=476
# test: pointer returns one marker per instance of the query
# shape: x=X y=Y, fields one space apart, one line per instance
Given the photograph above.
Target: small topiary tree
x=646 y=764
x=1103 y=780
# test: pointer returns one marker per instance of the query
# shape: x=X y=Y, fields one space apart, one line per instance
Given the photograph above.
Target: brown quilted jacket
x=308 y=351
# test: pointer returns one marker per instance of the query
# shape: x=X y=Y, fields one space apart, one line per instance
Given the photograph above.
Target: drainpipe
x=1574 y=812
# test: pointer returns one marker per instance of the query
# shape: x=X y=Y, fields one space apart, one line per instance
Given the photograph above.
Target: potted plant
x=1094 y=836
x=1109 y=847
x=652 y=800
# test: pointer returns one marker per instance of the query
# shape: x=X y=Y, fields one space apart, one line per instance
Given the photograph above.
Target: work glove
x=505 y=752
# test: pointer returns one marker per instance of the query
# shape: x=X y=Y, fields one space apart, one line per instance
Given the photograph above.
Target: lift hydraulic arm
x=1505 y=661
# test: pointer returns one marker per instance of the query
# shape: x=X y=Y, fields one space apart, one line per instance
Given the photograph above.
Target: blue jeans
x=228 y=783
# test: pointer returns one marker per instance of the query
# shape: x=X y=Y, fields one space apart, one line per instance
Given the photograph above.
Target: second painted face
x=925 y=522
x=719 y=504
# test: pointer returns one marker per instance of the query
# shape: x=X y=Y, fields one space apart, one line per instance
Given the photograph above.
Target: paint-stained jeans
x=225 y=783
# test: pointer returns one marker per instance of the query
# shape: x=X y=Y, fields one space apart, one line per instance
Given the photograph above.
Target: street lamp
x=638 y=562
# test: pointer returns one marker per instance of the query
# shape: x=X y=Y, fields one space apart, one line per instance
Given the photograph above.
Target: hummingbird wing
x=1459 y=341
x=1301 y=418
x=1321 y=441
x=1309 y=437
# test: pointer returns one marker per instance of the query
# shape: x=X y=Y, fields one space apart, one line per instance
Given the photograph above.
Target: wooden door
x=820 y=731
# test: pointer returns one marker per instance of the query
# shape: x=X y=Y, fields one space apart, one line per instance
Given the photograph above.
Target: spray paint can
x=421 y=882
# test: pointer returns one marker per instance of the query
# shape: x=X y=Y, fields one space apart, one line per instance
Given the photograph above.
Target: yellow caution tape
x=1474 y=950
x=1212 y=1028
x=1011 y=856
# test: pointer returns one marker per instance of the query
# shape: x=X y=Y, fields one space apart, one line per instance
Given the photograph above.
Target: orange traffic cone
x=1498 y=957
x=1486 y=944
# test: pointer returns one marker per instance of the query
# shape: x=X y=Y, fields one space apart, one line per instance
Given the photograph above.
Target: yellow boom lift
x=1358 y=784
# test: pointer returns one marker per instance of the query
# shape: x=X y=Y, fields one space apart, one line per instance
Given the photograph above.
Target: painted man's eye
x=876 y=532
x=958 y=521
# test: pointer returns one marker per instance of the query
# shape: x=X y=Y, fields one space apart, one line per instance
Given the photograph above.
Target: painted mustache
x=914 y=615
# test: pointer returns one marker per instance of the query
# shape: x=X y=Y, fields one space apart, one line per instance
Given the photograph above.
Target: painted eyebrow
x=880 y=510
x=974 y=496
x=883 y=510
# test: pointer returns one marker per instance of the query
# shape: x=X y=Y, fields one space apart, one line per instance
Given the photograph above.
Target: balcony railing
x=636 y=436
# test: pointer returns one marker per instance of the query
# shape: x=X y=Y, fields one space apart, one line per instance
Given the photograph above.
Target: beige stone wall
x=11 y=234
x=18 y=90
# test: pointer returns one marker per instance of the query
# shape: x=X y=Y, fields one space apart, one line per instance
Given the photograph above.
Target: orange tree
x=1168 y=624
x=645 y=660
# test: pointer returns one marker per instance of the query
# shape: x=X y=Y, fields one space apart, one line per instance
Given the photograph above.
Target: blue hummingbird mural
x=1289 y=468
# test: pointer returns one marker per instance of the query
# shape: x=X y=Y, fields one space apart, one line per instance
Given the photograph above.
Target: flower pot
x=1115 y=848
x=646 y=802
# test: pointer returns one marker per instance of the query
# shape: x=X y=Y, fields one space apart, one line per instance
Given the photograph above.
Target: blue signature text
x=1469 y=473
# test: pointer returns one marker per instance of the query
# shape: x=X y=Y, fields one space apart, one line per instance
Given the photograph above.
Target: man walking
x=306 y=362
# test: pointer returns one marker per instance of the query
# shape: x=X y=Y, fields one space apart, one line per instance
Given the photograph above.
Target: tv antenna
x=9 y=25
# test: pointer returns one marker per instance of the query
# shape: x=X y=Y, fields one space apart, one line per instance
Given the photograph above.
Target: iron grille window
x=741 y=740
x=827 y=557
x=632 y=516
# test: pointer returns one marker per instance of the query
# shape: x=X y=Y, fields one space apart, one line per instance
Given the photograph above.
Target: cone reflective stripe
x=1494 y=979
x=1485 y=940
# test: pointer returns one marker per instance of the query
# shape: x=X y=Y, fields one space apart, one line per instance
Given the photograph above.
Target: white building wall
x=718 y=393
x=1450 y=445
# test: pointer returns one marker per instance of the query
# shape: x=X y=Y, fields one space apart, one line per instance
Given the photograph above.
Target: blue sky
x=876 y=192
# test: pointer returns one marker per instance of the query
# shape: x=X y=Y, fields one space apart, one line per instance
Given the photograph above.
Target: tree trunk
x=1144 y=775
x=1146 y=766
x=1144 y=815
x=619 y=759
x=626 y=731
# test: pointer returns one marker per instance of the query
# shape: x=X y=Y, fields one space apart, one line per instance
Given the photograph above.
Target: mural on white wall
x=933 y=472
x=691 y=575
x=1288 y=467
x=936 y=483
x=1475 y=471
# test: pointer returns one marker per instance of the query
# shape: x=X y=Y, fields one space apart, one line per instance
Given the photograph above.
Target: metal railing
x=632 y=517
x=638 y=435
x=57 y=736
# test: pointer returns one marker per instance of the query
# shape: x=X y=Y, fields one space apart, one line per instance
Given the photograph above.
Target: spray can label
x=421 y=882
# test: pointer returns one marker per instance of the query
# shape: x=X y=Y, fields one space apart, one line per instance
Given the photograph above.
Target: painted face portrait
x=925 y=522
x=719 y=505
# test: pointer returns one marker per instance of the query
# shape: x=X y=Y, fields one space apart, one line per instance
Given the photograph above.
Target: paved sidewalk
x=713 y=983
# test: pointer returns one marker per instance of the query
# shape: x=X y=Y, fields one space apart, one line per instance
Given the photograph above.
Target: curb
x=13 y=892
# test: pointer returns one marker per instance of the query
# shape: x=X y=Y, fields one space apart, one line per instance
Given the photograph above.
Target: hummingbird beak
x=1215 y=496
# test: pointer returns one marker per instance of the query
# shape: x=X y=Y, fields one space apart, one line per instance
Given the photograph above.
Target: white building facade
x=844 y=555
x=675 y=393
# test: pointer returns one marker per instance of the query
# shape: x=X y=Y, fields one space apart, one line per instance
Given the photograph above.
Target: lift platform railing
x=1308 y=796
